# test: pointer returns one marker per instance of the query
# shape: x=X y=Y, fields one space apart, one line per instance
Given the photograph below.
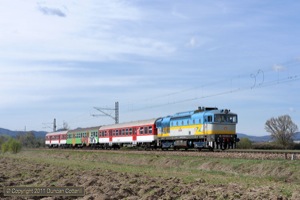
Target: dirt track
x=108 y=184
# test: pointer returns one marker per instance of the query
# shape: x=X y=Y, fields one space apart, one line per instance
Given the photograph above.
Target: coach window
x=130 y=131
x=177 y=123
x=117 y=132
x=150 y=129
x=142 y=130
x=126 y=131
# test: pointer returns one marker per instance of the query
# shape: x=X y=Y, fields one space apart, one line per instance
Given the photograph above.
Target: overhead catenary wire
x=257 y=79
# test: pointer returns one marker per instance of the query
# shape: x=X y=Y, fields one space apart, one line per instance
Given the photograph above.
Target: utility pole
x=47 y=125
x=104 y=113
x=54 y=125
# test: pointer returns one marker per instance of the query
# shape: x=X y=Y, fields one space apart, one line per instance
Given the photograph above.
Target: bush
x=5 y=147
x=296 y=146
x=12 y=146
x=244 y=143
x=268 y=146
x=15 y=146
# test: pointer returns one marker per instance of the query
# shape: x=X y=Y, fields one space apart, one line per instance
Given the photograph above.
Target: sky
x=60 y=59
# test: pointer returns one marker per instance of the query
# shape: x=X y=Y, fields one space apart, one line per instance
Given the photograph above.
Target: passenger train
x=204 y=128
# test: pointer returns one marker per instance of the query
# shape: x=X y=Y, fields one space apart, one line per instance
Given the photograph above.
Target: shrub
x=268 y=146
x=296 y=146
x=15 y=146
x=12 y=146
x=5 y=147
x=244 y=143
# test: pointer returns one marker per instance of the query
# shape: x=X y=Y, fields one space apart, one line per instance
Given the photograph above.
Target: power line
x=258 y=79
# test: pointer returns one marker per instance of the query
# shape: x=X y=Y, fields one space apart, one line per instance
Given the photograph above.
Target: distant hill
x=265 y=138
x=15 y=133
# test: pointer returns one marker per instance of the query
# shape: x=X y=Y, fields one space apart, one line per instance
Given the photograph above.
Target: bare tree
x=282 y=129
x=66 y=126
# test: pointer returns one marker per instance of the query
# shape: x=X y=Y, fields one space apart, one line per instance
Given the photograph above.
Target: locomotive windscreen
x=225 y=118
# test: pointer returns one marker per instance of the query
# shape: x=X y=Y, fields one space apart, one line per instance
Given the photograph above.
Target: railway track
x=241 y=154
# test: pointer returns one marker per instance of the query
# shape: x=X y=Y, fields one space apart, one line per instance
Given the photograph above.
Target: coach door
x=134 y=133
x=207 y=120
x=110 y=137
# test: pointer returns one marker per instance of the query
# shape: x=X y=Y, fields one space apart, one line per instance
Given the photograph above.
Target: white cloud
x=292 y=109
x=278 y=68
x=85 y=30
x=197 y=42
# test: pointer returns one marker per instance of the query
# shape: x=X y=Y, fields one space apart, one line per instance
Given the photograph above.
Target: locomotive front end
x=220 y=128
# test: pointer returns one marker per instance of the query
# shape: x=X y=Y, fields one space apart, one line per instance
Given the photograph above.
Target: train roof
x=57 y=133
x=129 y=124
x=200 y=111
x=84 y=129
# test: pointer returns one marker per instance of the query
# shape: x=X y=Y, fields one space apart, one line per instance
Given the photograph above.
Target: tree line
x=22 y=140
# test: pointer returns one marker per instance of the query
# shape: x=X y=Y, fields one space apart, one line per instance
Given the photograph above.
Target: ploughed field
x=132 y=175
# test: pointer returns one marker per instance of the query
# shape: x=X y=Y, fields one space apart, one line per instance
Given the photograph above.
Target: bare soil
x=108 y=184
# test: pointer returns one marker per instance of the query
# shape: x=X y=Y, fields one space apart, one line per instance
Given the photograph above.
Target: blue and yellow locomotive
x=206 y=127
